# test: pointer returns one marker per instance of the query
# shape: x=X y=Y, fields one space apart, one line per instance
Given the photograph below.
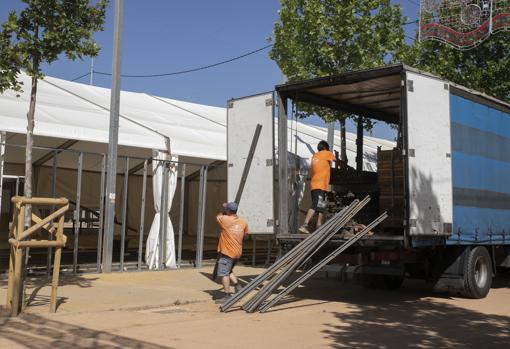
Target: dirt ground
x=174 y=309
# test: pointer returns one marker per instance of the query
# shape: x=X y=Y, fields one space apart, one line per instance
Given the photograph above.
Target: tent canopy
x=68 y=110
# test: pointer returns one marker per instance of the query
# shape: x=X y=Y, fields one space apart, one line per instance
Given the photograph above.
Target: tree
x=41 y=32
x=322 y=37
x=484 y=68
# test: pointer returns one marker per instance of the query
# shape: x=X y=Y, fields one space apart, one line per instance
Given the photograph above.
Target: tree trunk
x=343 y=141
x=27 y=189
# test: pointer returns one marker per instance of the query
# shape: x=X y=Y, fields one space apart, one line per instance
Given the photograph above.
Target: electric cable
x=188 y=70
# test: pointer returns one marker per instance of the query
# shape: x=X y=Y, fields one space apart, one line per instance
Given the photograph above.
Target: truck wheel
x=478 y=273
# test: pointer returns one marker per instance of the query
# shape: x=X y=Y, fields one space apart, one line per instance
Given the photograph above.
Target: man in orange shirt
x=230 y=247
x=320 y=166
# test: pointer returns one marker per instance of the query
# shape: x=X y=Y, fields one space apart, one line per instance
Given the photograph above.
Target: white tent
x=72 y=111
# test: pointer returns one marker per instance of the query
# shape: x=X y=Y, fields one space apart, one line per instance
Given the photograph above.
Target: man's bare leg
x=235 y=282
x=233 y=278
x=226 y=284
x=309 y=215
x=319 y=220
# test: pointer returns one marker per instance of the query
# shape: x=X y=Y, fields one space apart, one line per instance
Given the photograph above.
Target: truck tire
x=478 y=273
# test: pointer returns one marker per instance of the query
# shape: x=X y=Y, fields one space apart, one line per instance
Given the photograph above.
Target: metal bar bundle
x=309 y=273
x=253 y=304
x=275 y=267
x=288 y=263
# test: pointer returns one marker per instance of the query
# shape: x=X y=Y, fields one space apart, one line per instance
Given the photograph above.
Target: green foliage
x=485 y=68
x=42 y=31
x=322 y=37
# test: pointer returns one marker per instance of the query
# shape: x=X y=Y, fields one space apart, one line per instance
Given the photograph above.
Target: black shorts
x=318 y=200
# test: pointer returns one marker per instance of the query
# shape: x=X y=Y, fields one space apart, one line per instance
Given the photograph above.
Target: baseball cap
x=232 y=206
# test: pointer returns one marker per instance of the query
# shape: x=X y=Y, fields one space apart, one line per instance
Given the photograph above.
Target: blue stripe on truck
x=488 y=174
x=480 y=173
x=481 y=117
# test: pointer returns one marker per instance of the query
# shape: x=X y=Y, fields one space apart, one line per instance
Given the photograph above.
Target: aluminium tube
x=307 y=274
x=266 y=291
x=322 y=235
x=283 y=260
x=181 y=215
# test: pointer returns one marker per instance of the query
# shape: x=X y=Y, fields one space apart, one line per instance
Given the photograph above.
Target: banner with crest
x=462 y=24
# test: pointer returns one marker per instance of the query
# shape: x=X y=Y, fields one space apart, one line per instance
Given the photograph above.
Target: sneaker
x=304 y=229
x=237 y=288
x=222 y=299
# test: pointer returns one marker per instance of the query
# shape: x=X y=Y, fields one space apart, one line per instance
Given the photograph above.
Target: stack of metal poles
x=309 y=273
x=283 y=268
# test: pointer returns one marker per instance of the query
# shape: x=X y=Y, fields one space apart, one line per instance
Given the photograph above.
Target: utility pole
x=111 y=176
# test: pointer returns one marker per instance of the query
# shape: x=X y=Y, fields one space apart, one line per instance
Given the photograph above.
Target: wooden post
x=12 y=257
x=18 y=256
x=56 y=265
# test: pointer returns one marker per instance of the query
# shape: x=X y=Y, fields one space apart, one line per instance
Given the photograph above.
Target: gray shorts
x=225 y=265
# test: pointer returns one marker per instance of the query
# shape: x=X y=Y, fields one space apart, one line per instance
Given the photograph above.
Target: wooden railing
x=18 y=240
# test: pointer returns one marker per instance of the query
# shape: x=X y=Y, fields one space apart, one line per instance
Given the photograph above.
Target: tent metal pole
x=101 y=214
x=163 y=214
x=113 y=138
x=181 y=215
x=166 y=171
x=77 y=214
x=142 y=215
x=124 y=214
x=53 y=195
x=201 y=217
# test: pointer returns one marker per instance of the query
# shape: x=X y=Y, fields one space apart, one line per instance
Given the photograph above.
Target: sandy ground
x=174 y=309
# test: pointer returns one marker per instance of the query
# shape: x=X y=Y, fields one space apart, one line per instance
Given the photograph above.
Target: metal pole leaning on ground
x=280 y=262
x=309 y=273
x=113 y=139
x=266 y=291
x=326 y=235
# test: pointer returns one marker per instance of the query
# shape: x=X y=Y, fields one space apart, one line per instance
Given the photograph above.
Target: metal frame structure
x=81 y=156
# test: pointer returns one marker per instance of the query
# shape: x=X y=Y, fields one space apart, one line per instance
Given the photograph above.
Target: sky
x=162 y=36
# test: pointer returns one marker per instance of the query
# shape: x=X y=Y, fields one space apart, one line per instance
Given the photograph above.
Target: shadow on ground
x=34 y=284
x=416 y=323
x=37 y=332
x=413 y=316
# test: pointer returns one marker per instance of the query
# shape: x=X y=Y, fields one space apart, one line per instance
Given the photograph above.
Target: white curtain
x=152 y=246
